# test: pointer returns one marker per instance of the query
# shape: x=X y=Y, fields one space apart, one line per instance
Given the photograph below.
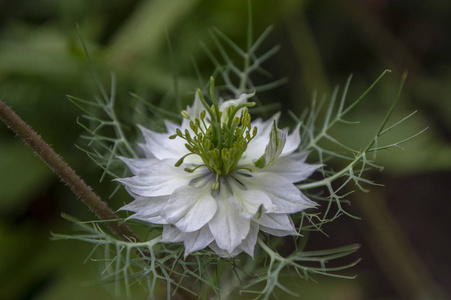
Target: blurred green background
x=405 y=226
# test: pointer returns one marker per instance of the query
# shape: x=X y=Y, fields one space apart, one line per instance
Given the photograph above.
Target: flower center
x=220 y=139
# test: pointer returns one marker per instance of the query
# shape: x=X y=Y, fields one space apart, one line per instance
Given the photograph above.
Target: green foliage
x=133 y=263
x=300 y=262
x=237 y=77
x=40 y=61
x=105 y=149
x=357 y=161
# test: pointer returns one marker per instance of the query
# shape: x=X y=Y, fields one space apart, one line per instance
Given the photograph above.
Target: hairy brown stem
x=56 y=163
x=76 y=184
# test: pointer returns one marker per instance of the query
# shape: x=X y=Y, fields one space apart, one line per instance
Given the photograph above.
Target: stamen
x=194 y=169
x=219 y=143
x=180 y=161
x=185 y=114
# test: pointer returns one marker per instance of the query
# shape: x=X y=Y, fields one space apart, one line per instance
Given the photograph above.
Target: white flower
x=217 y=180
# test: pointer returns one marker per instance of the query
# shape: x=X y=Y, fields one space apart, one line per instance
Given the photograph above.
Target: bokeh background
x=405 y=227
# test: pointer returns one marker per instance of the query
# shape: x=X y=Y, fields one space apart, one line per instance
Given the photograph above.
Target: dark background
x=405 y=224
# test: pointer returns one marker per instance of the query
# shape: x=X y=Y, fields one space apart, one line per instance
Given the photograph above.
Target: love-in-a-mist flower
x=219 y=178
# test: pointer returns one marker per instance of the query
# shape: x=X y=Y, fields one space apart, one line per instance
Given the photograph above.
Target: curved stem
x=75 y=183
x=67 y=174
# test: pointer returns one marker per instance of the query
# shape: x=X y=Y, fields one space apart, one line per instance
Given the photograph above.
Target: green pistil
x=220 y=145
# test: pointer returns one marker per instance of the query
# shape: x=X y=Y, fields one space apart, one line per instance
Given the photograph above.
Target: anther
x=185 y=114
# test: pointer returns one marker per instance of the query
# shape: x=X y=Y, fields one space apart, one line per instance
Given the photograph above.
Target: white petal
x=163 y=178
x=273 y=149
x=147 y=209
x=227 y=226
x=197 y=107
x=148 y=219
x=249 y=201
x=197 y=240
x=190 y=208
x=171 y=234
x=141 y=166
x=234 y=102
x=224 y=253
x=193 y=241
x=171 y=127
x=293 y=141
x=276 y=224
x=283 y=194
x=248 y=245
x=257 y=146
x=292 y=167
x=145 y=150
x=193 y=111
x=152 y=205
x=161 y=146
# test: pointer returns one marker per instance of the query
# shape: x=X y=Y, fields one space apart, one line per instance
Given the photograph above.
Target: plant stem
x=76 y=184
x=67 y=174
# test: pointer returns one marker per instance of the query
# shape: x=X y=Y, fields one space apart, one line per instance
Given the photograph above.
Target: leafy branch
x=301 y=262
x=237 y=75
x=359 y=161
x=155 y=261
